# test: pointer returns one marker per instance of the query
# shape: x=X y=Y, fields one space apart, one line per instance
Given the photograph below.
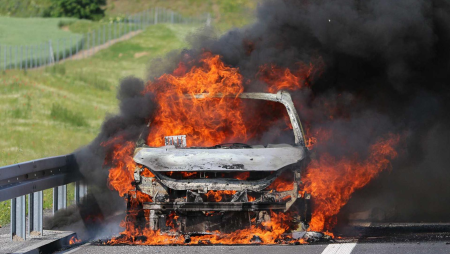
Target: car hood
x=169 y=158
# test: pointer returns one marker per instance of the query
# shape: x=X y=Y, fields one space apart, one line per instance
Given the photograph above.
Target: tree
x=82 y=9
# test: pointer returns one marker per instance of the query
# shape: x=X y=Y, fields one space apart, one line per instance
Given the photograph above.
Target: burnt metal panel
x=214 y=206
x=169 y=158
x=206 y=184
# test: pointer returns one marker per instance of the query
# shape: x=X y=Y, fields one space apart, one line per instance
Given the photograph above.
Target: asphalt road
x=335 y=248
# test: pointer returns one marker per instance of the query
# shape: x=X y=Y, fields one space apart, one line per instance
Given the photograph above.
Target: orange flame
x=74 y=240
x=210 y=121
x=331 y=182
x=216 y=196
x=121 y=175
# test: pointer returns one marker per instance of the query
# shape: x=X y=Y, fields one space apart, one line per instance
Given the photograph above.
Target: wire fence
x=84 y=45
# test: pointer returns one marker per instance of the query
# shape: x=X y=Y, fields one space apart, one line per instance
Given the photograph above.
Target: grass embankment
x=55 y=110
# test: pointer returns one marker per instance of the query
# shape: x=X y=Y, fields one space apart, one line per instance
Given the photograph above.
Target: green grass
x=41 y=110
x=33 y=40
x=26 y=31
x=23 y=8
x=65 y=115
x=225 y=13
x=55 y=110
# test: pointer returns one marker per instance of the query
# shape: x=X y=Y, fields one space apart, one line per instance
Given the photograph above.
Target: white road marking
x=340 y=248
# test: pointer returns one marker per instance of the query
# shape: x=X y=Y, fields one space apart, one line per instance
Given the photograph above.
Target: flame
x=147 y=173
x=271 y=232
x=216 y=196
x=121 y=174
x=331 y=182
x=210 y=121
x=279 y=78
x=74 y=240
x=242 y=175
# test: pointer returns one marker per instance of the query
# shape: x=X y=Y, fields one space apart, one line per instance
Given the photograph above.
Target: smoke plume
x=383 y=69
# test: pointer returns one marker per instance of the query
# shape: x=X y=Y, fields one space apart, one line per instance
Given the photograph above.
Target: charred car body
x=241 y=203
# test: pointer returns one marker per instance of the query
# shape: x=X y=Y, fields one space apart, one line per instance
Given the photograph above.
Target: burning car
x=199 y=190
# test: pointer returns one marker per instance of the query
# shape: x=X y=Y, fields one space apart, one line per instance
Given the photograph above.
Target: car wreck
x=184 y=177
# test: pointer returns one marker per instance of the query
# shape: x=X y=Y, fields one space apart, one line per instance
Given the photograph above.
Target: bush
x=81 y=9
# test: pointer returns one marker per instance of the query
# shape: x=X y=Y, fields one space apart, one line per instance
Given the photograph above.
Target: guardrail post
x=80 y=191
x=35 y=203
x=18 y=227
x=59 y=198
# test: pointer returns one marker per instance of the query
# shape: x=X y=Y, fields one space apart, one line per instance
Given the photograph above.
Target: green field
x=56 y=110
x=225 y=13
x=29 y=38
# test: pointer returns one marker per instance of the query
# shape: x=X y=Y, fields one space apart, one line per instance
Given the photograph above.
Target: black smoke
x=384 y=69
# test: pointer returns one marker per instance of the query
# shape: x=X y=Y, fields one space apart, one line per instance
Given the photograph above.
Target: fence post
x=57 y=50
x=18 y=227
x=4 y=58
x=120 y=28
x=77 y=45
x=109 y=34
x=35 y=203
x=31 y=57
x=59 y=198
x=21 y=57
x=51 y=56
x=87 y=44
x=93 y=42
x=128 y=24
x=10 y=57
x=26 y=57
x=114 y=30
x=36 y=52
x=208 y=19
x=156 y=15
x=80 y=191
x=15 y=56
x=171 y=17
x=40 y=55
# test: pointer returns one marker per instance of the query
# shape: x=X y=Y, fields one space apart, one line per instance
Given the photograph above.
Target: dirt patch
x=65 y=28
x=140 y=54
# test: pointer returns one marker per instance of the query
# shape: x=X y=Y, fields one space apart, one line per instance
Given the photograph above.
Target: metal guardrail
x=31 y=178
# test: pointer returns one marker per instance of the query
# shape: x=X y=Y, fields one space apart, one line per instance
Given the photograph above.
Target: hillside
x=229 y=12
